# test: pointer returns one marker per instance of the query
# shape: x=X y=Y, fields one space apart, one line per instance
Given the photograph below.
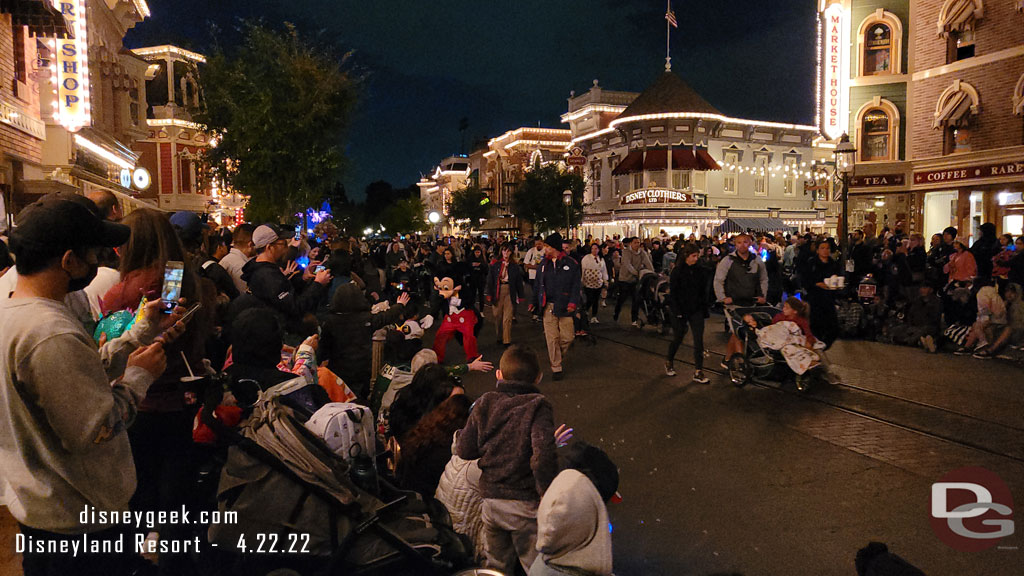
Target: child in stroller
x=652 y=291
x=764 y=340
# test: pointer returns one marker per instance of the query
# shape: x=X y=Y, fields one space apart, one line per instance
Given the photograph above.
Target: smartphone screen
x=298 y=231
x=173 y=273
x=320 y=268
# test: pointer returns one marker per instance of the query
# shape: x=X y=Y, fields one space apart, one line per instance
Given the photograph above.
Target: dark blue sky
x=509 y=63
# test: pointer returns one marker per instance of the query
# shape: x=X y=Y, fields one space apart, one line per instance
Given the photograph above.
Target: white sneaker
x=636 y=324
x=700 y=378
x=594 y=320
x=669 y=369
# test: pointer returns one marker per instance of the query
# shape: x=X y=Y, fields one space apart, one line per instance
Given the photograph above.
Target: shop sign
x=970 y=173
x=576 y=157
x=834 y=70
x=71 y=70
x=877 y=180
x=659 y=196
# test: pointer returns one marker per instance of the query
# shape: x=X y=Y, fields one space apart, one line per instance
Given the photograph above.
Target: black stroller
x=757 y=362
x=652 y=298
x=289 y=504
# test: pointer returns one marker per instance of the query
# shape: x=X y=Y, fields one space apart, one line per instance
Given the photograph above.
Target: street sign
x=576 y=161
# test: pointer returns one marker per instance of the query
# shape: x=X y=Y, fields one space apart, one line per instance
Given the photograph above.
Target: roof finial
x=670 y=23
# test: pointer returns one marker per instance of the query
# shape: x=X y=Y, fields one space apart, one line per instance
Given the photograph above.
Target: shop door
x=939 y=211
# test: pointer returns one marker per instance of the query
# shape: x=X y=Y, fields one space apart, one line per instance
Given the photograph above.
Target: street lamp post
x=845 y=159
x=567 y=200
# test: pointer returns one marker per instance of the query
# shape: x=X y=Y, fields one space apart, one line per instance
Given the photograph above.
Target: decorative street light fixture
x=846 y=157
x=567 y=200
x=434 y=217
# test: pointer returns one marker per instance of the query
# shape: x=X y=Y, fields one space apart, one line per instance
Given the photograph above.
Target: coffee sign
x=658 y=196
x=970 y=173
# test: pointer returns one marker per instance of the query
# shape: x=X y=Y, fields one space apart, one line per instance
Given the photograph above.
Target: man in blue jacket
x=558 y=285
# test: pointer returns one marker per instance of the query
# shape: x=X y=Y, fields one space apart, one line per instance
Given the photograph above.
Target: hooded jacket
x=459 y=491
x=270 y=286
x=347 y=338
x=511 y=430
x=572 y=529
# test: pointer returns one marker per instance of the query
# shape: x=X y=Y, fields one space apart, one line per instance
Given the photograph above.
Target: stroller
x=300 y=508
x=757 y=362
x=652 y=298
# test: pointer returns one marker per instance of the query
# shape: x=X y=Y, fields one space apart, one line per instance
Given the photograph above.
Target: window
x=881 y=39
x=960 y=45
x=957 y=140
x=731 y=159
x=878 y=50
x=762 y=172
x=875 y=135
x=680 y=180
x=638 y=180
x=595 y=177
x=792 y=176
x=20 y=65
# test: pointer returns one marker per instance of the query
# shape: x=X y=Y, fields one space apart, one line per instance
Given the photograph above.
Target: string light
x=167 y=50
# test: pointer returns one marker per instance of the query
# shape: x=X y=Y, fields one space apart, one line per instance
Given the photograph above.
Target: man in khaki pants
x=559 y=285
x=504 y=289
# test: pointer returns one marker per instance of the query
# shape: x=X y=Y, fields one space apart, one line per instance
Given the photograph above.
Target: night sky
x=508 y=63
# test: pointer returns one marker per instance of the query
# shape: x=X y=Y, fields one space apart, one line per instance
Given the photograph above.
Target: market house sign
x=970 y=173
x=833 y=71
x=877 y=181
x=659 y=196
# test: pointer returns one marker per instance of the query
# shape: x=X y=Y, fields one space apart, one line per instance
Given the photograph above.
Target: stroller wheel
x=739 y=371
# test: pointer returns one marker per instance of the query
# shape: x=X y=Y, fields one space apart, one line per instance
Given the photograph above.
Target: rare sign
x=1013 y=169
x=658 y=196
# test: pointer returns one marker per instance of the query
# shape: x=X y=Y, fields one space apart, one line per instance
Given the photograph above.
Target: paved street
x=761 y=480
x=758 y=480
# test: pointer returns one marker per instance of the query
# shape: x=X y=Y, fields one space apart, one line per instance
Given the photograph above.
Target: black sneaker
x=700 y=378
x=669 y=369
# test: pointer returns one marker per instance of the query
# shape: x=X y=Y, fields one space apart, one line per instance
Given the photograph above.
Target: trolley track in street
x=967 y=422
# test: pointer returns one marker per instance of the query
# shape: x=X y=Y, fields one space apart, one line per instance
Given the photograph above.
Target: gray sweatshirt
x=633 y=264
x=63 y=440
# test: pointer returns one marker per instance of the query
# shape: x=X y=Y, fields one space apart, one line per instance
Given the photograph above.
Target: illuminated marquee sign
x=70 y=71
x=835 y=72
x=660 y=196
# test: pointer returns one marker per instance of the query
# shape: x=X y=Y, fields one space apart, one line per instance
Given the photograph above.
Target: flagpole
x=668 y=37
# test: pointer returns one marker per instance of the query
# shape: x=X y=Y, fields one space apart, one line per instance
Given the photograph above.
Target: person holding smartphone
x=63 y=440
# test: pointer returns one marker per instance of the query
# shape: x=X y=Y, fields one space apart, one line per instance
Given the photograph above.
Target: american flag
x=671 y=17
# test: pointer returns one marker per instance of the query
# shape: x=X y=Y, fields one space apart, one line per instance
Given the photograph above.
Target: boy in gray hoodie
x=511 y=431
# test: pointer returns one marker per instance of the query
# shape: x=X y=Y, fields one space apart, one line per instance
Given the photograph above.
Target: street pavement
x=764 y=480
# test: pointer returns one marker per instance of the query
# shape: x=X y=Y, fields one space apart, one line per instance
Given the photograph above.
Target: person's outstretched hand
x=323 y=277
x=403 y=298
x=290 y=269
x=479 y=365
x=562 y=436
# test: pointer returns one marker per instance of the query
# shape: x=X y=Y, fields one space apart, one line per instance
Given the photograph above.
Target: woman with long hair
x=161 y=436
x=688 y=304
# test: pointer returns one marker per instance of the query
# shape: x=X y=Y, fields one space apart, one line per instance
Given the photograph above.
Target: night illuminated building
x=76 y=102
x=725 y=173
x=933 y=99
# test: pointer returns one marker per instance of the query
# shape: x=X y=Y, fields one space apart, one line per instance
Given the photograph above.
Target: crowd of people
x=82 y=302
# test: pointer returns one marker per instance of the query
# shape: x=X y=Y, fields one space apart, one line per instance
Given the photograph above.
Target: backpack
x=346 y=428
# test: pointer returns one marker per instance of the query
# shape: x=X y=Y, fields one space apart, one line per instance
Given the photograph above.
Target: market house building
x=666 y=159
x=932 y=95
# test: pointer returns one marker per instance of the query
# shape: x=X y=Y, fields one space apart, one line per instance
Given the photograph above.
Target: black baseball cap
x=59 y=222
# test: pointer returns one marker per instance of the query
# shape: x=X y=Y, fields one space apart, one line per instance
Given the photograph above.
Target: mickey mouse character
x=456 y=319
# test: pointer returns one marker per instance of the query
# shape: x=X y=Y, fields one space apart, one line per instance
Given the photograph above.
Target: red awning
x=655 y=160
x=683 y=159
x=633 y=162
x=705 y=160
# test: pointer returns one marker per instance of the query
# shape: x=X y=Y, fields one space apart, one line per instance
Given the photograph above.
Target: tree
x=538 y=199
x=470 y=203
x=281 y=106
x=405 y=216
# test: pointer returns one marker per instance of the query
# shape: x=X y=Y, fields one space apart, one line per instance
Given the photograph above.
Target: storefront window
x=878 y=50
x=958 y=140
x=884 y=210
x=875 y=130
x=638 y=180
x=680 y=180
x=731 y=160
